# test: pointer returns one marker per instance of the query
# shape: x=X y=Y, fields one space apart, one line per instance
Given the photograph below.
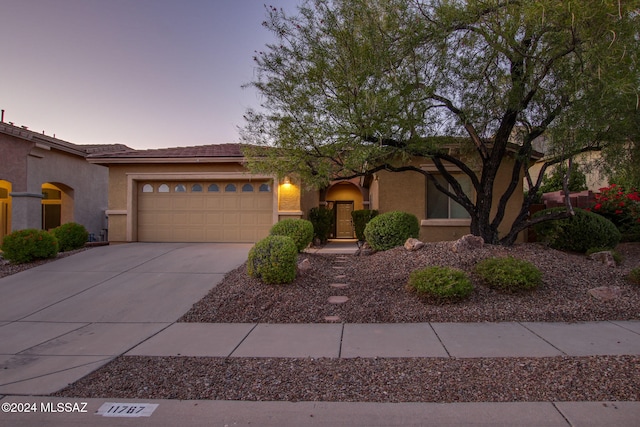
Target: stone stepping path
x=338 y=284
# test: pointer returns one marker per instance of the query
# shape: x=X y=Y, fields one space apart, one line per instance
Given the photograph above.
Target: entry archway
x=344 y=197
x=57 y=205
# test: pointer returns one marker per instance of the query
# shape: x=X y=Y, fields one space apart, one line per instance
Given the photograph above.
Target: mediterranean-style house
x=46 y=182
x=206 y=194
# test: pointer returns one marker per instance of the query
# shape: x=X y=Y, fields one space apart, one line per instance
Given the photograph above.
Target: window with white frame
x=440 y=206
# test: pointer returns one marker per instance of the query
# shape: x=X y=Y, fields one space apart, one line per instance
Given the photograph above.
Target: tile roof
x=213 y=150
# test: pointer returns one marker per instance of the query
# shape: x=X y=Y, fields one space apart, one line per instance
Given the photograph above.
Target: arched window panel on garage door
x=147 y=188
x=213 y=188
x=264 y=188
x=196 y=188
x=247 y=188
x=164 y=188
x=230 y=188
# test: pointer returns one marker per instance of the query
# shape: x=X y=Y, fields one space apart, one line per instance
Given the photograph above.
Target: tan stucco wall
x=406 y=191
x=289 y=197
x=309 y=198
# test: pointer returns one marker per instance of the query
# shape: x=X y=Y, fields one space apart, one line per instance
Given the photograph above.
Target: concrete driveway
x=64 y=319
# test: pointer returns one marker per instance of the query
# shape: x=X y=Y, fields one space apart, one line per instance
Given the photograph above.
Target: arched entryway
x=5 y=208
x=57 y=205
x=343 y=198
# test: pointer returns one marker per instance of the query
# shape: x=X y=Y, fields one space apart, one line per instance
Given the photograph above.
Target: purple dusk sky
x=145 y=73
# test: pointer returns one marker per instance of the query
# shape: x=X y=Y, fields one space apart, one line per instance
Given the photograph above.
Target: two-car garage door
x=204 y=211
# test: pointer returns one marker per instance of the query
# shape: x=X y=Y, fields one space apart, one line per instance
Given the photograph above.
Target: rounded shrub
x=360 y=220
x=273 y=260
x=391 y=229
x=578 y=233
x=442 y=283
x=509 y=274
x=300 y=230
x=634 y=276
x=27 y=245
x=70 y=236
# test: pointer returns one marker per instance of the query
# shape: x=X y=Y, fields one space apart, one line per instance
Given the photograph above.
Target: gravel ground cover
x=365 y=380
x=377 y=290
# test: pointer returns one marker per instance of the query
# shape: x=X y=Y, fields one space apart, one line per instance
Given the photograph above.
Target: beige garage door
x=209 y=211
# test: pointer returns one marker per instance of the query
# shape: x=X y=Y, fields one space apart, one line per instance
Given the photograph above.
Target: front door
x=344 y=224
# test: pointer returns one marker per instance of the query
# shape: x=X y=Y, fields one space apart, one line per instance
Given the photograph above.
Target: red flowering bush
x=620 y=207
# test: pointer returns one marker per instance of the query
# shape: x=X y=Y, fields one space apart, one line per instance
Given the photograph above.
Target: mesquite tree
x=354 y=87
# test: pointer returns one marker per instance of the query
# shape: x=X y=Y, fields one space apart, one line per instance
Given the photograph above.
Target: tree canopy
x=353 y=87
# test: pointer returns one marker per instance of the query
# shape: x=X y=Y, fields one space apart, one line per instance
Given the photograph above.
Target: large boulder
x=413 y=244
x=468 y=242
x=605 y=293
x=604 y=257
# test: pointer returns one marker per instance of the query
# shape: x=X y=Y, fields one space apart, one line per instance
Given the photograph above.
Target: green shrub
x=300 y=230
x=360 y=219
x=30 y=244
x=509 y=274
x=579 y=233
x=442 y=283
x=273 y=260
x=70 y=236
x=322 y=220
x=634 y=276
x=555 y=181
x=391 y=229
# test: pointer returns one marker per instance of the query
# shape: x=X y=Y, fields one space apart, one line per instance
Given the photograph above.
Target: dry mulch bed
x=607 y=378
x=377 y=290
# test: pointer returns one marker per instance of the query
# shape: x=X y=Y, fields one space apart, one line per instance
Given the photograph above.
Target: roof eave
x=164 y=160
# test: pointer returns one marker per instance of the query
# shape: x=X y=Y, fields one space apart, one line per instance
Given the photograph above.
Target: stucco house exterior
x=46 y=182
x=206 y=194
x=193 y=194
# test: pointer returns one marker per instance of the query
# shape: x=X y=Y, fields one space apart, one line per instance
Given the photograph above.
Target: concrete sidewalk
x=459 y=340
x=171 y=413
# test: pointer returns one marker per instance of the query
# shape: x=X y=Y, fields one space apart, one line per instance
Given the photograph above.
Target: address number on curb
x=121 y=409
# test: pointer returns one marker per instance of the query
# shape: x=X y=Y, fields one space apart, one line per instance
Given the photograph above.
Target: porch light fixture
x=287 y=180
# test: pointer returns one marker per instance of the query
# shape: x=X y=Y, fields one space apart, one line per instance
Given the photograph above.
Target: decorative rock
x=304 y=266
x=605 y=293
x=413 y=244
x=338 y=299
x=605 y=257
x=365 y=249
x=468 y=242
x=339 y=285
x=332 y=318
x=340 y=276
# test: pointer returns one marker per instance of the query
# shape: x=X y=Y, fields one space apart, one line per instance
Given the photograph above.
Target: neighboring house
x=206 y=194
x=46 y=182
